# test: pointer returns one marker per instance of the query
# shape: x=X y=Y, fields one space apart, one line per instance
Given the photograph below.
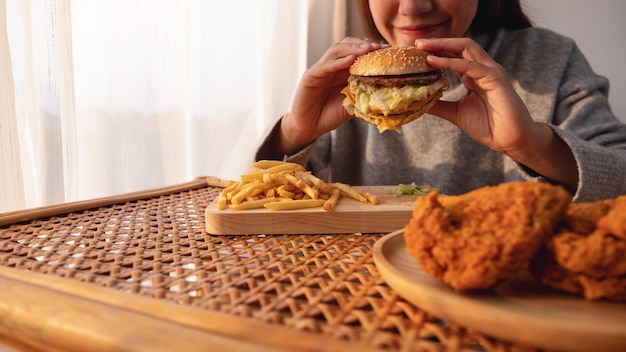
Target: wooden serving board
x=349 y=216
x=520 y=310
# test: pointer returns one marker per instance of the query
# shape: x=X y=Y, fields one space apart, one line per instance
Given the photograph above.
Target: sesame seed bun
x=397 y=60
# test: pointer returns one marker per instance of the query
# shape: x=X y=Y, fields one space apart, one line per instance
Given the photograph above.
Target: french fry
x=279 y=185
x=280 y=179
x=283 y=168
x=255 y=204
x=233 y=185
x=350 y=192
x=371 y=198
x=247 y=189
x=255 y=192
x=310 y=191
x=231 y=190
x=320 y=184
x=265 y=164
x=283 y=192
x=295 y=204
x=222 y=202
x=332 y=201
x=247 y=178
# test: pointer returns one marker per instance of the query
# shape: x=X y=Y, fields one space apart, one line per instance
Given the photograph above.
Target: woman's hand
x=492 y=112
x=317 y=106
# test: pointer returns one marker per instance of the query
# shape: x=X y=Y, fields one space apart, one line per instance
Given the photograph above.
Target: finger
x=475 y=76
x=343 y=49
x=445 y=109
x=358 y=40
x=352 y=40
x=337 y=58
x=456 y=48
x=341 y=55
x=355 y=46
x=460 y=66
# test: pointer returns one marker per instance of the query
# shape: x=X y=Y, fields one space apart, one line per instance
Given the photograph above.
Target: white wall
x=599 y=29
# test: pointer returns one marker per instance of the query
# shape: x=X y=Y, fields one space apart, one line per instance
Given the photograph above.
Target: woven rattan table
x=139 y=272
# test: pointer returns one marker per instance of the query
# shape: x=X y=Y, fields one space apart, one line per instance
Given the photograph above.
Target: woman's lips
x=418 y=31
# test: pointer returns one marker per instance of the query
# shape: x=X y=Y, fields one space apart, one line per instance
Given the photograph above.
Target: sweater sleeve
x=263 y=151
x=601 y=169
x=596 y=137
x=583 y=119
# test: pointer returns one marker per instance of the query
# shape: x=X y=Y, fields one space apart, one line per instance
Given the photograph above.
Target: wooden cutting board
x=520 y=310
x=349 y=216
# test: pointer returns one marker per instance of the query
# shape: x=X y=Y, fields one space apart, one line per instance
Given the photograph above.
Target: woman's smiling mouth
x=419 y=31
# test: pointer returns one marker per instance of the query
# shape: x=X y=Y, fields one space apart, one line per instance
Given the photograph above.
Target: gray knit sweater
x=559 y=88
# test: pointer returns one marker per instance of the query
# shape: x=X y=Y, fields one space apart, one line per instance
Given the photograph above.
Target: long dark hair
x=491 y=15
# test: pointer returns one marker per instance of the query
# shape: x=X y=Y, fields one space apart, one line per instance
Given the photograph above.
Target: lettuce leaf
x=412 y=189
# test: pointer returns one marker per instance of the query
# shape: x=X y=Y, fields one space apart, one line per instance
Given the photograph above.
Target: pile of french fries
x=279 y=185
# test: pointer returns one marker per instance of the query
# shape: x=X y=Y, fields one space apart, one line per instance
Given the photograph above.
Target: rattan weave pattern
x=157 y=247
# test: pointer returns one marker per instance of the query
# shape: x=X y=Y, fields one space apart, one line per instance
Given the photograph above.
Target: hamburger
x=393 y=86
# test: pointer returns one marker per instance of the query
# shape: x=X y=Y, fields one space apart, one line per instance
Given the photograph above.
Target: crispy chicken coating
x=481 y=238
x=587 y=255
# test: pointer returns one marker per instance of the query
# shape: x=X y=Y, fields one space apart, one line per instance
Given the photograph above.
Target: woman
x=523 y=104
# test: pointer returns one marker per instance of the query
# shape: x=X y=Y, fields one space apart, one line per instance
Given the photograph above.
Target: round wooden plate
x=521 y=310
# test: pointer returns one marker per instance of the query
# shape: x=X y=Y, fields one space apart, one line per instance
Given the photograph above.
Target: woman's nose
x=415 y=7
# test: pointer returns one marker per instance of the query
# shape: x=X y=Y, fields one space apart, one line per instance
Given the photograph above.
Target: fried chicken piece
x=548 y=272
x=481 y=238
x=583 y=217
x=615 y=220
x=612 y=288
x=598 y=254
x=588 y=259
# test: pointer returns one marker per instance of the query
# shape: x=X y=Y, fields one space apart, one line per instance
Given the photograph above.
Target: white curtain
x=102 y=97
